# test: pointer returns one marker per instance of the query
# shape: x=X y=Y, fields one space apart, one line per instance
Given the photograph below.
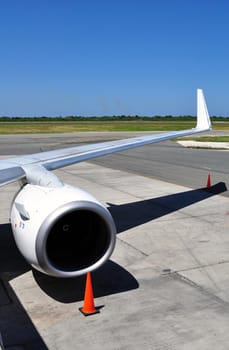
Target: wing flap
x=11 y=174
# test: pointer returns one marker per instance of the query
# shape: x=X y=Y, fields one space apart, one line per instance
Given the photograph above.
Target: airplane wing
x=61 y=230
x=18 y=167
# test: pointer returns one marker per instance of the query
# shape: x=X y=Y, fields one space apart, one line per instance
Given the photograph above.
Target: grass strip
x=35 y=127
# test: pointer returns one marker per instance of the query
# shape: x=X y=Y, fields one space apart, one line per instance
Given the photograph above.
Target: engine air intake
x=77 y=240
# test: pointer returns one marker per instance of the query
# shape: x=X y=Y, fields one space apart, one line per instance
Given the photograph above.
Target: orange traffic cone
x=88 y=306
x=208 y=181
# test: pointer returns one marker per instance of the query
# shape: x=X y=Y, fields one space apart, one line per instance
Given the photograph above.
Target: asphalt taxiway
x=166 y=285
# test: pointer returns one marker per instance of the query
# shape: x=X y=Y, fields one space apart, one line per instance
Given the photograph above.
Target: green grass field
x=208 y=138
x=25 y=127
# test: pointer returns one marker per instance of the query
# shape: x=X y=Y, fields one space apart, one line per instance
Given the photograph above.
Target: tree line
x=106 y=118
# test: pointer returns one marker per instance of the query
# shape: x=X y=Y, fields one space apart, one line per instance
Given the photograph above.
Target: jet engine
x=62 y=231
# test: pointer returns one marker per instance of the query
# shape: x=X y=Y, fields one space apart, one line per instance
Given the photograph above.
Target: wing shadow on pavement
x=129 y=215
x=15 y=324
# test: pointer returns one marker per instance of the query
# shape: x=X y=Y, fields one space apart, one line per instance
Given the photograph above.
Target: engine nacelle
x=62 y=231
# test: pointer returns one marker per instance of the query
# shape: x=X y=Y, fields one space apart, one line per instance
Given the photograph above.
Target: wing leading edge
x=16 y=168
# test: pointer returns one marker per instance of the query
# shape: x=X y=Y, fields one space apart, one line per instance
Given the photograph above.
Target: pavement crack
x=203 y=266
x=133 y=248
x=178 y=276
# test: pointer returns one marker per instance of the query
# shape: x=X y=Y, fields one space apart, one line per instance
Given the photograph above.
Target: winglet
x=203 y=119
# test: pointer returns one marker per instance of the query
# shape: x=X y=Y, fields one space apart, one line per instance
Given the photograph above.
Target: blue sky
x=113 y=57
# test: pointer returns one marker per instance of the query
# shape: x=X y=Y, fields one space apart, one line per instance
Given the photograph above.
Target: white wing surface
x=18 y=167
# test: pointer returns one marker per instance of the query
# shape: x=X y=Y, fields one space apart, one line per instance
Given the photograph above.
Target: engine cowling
x=62 y=231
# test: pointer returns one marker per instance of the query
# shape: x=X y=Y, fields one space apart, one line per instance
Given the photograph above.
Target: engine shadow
x=130 y=215
x=11 y=260
x=107 y=280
